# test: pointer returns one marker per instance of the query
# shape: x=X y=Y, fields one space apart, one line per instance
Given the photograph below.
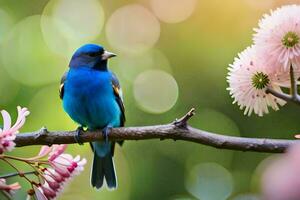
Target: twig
x=21 y=174
x=283 y=96
x=294 y=86
x=6 y=195
x=175 y=131
x=182 y=122
x=293 y=97
x=16 y=174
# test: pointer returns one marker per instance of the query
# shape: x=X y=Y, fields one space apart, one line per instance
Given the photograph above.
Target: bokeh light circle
x=7 y=95
x=155 y=91
x=66 y=24
x=6 y=23
x=260 y=169
x=173 y=11
x=132 y=65
x=209 y=181
x=132 y=29
x=208 y=117
x=260 y=5
x=46 y=107
x=26 y=57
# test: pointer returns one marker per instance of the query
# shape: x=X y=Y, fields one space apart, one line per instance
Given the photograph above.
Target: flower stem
x=30 y=162
x=18 y=158
x=293 y=97
x=15 y=174
x=294 y=88
x=21 y=174
x=283 y=96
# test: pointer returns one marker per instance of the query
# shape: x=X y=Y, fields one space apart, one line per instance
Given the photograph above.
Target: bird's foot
x=78 y=135
x=105 y=133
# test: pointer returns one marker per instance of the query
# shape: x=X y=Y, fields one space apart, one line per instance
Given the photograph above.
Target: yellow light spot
x=132 y=29
x=67 y=24
x=173 y=11
x=155 y=91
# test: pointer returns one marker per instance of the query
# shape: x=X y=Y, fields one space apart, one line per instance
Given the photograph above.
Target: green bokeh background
x=198 y=50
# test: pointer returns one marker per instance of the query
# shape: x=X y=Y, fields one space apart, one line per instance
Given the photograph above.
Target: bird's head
x=91 y=56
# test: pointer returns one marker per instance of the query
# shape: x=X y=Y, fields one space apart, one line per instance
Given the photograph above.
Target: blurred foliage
x=195 y=51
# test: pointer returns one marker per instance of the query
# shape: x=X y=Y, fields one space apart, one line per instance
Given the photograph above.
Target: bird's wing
x=61 y=87
x=119 y=97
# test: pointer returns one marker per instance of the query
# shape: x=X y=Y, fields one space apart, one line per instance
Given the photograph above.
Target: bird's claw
x=77 y=136
x=105 y=133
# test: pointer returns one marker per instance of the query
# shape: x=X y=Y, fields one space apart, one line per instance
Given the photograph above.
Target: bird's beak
x=106 y=55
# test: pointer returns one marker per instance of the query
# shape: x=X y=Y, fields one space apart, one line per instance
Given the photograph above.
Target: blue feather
x=90 y=100
x=103 y=166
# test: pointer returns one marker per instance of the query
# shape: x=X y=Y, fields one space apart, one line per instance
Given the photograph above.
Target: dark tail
x=103 y=166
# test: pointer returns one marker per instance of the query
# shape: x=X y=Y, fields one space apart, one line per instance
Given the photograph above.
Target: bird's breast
x=89 y=98
x=85 y=81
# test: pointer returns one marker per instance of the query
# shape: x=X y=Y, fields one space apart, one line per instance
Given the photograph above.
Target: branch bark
x=294 y=86
x=294 y=96
x=177 y=130
x=283 y=96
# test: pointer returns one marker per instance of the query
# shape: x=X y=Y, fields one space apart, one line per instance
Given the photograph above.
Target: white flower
x=248 y=78
x=8 y=133
x=278 y=37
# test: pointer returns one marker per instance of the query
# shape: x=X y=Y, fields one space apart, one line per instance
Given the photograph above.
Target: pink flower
x=51 y=151
x=9 y=188
x=67 y=166
x=57 y=150
x=249 y=77
x=54 y=175
x=281 y=179
x=63 y=168
x=48 y=192
x=38 y=193
x=8 y=133
x=278 y=37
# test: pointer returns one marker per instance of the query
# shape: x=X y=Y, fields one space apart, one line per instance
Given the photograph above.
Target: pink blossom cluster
x=53 y=173
x=62 y=168
x=266 y=64
x=8 y=132
x=277 y=37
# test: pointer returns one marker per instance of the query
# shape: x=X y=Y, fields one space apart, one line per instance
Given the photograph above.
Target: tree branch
x=293 y=97
x=284 y=96
x=178 y=130
x=294 y=86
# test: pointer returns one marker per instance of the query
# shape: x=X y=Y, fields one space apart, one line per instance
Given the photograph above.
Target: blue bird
x=92 y=97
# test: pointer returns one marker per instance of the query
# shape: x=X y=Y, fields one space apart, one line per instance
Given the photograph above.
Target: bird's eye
x=93 y=54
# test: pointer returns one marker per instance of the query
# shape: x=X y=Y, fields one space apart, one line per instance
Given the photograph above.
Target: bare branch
x=284 y=96
x=293 y=97
x=16 y=174
x=178 y=130
x=294 y=87
x=182 y=122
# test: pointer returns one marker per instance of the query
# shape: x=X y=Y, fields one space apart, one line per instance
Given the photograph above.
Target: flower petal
x=6 y=120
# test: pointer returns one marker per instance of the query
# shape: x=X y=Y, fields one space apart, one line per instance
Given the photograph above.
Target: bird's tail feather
x=103 y=167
